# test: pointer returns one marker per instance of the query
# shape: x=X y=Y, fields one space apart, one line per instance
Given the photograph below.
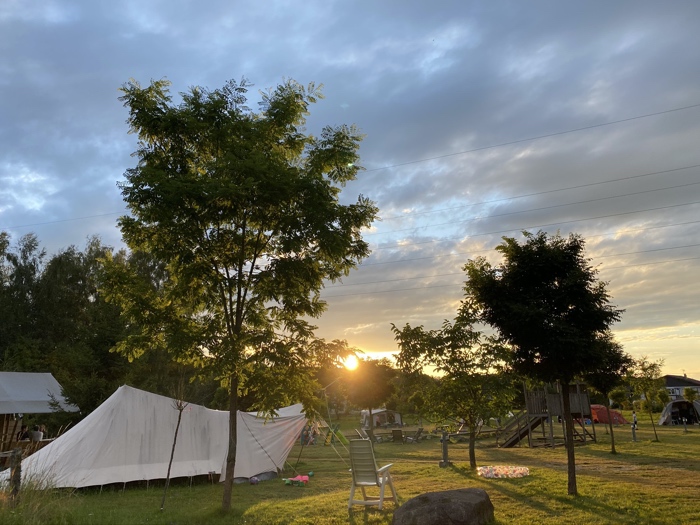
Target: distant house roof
x=680 y=381
x=30 y=393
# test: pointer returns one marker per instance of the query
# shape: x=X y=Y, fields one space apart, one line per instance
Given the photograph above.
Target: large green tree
x=243 y=209
x=546 y=301
x=474 y=385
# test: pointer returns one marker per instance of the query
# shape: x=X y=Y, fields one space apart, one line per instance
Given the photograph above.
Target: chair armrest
x=385 y=468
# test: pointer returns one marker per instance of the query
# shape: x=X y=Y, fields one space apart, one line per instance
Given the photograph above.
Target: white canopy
x=130 y=436
x=383 y=415
x=30 y=393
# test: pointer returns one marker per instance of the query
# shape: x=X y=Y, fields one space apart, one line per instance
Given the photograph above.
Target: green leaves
x=545 y=300
x=241 y=216
x=473 y=385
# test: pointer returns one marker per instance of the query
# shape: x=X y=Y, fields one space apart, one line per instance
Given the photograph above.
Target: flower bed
x=503 y=471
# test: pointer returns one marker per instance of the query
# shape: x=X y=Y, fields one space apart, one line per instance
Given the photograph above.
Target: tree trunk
x=612 y=436
x=569 y=433
x=232 y=439
x=472 y=451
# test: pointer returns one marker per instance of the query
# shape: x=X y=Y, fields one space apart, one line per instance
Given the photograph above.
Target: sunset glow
x=350 y=362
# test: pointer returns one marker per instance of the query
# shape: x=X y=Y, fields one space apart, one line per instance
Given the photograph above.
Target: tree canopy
x=242 y=208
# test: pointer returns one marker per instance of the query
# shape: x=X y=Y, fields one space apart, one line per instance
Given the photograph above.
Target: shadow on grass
x=502 y=487
x=599 y=511
x=355 y=517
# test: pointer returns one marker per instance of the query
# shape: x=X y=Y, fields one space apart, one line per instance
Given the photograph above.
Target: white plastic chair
x=365 y=474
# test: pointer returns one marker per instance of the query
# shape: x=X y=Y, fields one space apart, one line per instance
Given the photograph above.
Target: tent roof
x=30 y=393
x=600 y=412
x=129 y=437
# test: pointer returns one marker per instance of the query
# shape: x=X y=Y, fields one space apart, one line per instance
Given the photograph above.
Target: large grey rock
x=449 y=507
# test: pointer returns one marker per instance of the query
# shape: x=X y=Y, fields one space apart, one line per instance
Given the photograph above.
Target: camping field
x=646 y=482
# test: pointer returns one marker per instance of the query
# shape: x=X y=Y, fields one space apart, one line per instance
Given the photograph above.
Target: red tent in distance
x=600 y=415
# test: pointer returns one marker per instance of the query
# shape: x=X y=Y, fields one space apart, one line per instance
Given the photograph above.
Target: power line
x=588 y=201
x=651 y=250
x=443 y=239
x=545 y=192
x=555 y=134
x=543 y=226
x=374 y=292
x=59 y=221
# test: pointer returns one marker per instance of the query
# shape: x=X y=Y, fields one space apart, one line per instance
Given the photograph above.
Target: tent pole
x=294 y=468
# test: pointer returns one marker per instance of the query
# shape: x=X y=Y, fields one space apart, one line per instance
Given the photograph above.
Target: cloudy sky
x=481 y=119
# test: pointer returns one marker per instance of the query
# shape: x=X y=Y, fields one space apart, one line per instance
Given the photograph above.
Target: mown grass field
x=646 y=482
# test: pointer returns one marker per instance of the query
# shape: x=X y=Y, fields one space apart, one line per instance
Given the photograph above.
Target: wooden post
x=15 y=475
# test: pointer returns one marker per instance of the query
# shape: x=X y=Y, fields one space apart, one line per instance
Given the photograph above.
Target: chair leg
x=352 y=496
x=393 y=491
x=388 y=481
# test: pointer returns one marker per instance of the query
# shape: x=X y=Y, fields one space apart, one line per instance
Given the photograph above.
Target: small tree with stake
x=646 y=381
x=545 y=300
x=474 y=386
x=607 y=376
x=180 y=405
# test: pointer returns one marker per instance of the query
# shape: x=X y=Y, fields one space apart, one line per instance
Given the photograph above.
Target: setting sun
x=350 y=362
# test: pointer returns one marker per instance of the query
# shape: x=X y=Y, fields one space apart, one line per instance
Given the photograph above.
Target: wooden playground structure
x=542 y=420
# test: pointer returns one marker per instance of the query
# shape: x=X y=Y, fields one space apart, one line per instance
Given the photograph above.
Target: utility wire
x=432 y=287
x=652 y=250
x=545 y=192
x=588 y=201
x=443 y=239
x=528 y=228
x=520 y=141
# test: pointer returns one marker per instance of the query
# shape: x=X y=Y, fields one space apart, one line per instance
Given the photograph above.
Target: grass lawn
x=646 y=482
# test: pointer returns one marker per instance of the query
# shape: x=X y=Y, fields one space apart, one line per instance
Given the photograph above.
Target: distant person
x=36 y=434
x=23 y=433
x=634 y=420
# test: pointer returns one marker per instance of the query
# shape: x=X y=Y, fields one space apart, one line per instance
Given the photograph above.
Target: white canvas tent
x=129 y=438
x=30 y=393
x=385 y=417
